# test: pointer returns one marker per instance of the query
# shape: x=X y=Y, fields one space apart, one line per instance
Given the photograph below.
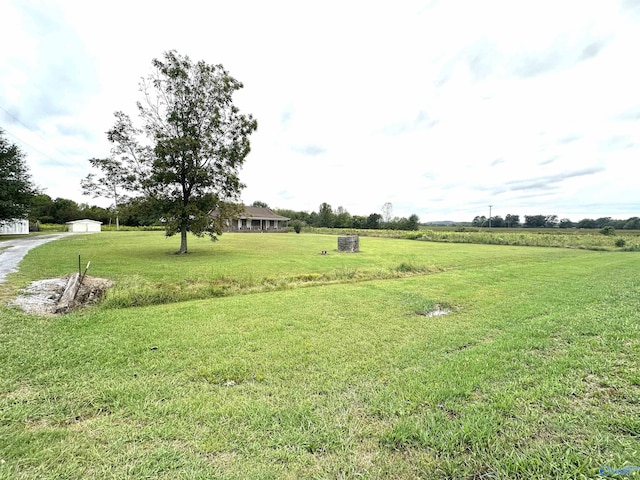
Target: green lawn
x=312 y=366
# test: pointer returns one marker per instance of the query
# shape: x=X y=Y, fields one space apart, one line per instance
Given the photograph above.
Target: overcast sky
x=440 y=107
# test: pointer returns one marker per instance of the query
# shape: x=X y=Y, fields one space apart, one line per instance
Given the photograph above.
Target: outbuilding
x=15 y=227
x=84 y=226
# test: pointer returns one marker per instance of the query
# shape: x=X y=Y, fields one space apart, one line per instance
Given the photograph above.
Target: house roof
x=260 y=213
x=86 y=220
x=256 y=213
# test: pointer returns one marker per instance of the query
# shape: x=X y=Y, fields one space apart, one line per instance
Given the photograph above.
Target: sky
x=441 y=108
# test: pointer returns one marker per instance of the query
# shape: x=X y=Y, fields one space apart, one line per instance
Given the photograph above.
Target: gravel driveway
x=12 y=251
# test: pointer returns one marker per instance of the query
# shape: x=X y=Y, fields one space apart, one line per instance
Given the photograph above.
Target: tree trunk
x=183 y=240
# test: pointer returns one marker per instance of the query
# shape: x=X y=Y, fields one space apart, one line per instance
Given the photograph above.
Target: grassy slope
x=535 y=374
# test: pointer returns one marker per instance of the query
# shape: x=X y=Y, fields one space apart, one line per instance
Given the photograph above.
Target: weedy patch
x=135 y=291
x=430 y=308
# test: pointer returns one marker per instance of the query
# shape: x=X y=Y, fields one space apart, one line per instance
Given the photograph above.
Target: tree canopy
x=196 y=142
x=16 y=187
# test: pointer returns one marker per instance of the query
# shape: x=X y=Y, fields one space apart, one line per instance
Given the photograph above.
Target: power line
x=33 y=131
x=4 y=129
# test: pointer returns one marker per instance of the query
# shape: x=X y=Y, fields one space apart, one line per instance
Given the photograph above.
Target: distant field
x=590 y=239
x=257 y=357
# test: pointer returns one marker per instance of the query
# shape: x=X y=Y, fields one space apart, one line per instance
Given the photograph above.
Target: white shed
x=18 y=226
x=84 y=226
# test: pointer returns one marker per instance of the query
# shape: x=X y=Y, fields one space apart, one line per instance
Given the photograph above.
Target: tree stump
x=350 y=243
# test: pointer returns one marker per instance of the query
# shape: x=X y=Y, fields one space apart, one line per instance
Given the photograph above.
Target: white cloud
x=441 y=108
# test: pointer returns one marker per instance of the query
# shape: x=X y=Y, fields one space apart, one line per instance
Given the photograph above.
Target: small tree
x=512 y=221
x=479 y=221
x=413 y=222
x=566 y=223
x=16 y=188
x=535 y=221
x=297 y=225
x=497 y=221
x=373 y=221
x=325 y=218
x=110 y=184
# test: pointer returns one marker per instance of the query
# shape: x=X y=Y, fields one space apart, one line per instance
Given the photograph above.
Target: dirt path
x=14 y=250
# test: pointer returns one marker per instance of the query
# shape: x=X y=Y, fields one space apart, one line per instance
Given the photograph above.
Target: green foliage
x=297 y=225
x=110 y=184
x=411 y=223
x=620 y=242
x=608 y=230
x=326 y=217
x=541 y=221
x=497 y=221
x=512 y=221
x=43 y=209
x=16 y=186
x=566 y=223
x=479 y=221
x=198 y=142
x=373 y=221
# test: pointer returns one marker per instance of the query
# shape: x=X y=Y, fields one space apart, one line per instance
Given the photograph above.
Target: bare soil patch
x=58 y=295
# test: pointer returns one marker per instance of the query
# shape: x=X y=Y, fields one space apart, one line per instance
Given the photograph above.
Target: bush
x=297 y=226
x=620 y=242
x=608 y=230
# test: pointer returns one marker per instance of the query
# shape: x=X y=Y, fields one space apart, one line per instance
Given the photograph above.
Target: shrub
x=297 y=226
x=620 y=242
x=608 y=230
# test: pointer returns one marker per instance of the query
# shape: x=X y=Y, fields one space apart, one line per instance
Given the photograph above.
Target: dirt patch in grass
x=435 y=310
x=43 y=297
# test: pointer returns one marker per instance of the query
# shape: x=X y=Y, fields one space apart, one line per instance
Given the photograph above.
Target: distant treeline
x=327 y=217
x=552 y=221
x=137 y=212
x=134 y=213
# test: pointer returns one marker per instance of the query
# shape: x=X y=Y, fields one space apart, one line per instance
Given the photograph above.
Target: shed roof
x=85 y=220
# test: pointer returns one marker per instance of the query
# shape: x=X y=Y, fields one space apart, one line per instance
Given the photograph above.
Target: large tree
x=16 y=187
x=196 y=143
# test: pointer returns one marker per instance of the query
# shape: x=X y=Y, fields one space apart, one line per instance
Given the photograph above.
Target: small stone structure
x=349 y=244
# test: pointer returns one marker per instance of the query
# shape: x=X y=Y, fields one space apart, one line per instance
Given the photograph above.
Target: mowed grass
x=148 y=272
x=534 y=373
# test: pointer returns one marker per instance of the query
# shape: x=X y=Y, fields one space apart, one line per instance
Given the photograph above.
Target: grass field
x=257 y=357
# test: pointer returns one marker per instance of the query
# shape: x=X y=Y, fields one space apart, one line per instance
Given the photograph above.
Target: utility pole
x=490 y=215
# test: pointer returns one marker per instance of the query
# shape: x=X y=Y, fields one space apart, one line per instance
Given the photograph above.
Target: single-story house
x=84 y=226
x=257 y=219
x=19 y=226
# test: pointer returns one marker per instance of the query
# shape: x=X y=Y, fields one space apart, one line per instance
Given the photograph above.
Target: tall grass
x=589 y=240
